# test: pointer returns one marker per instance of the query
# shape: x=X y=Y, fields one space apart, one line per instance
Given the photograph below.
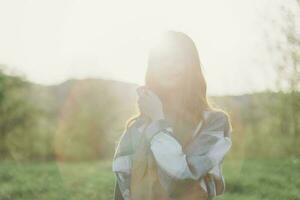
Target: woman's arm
x=122 y=191
x=121 y=166
x=177 y=170
x=171 y=158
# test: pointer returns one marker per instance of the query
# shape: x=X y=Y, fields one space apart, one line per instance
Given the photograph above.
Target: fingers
x=142 y=106
x=145 y=95
x=139 y=91
x=142 y=90
x=150 y=93
x=142 y=100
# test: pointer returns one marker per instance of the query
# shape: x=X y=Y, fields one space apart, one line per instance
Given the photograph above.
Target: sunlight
x=73 y=124
x=80 y=42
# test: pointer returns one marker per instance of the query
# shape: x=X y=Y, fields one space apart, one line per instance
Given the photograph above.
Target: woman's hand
x=150 y=104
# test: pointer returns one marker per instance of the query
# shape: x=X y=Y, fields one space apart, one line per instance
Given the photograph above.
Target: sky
x=51 y=41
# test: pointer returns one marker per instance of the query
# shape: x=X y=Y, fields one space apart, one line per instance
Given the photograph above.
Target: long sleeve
x=177 y=168
x=125 y=154
x=121 y=166
x=170 y=157
x=122 y=191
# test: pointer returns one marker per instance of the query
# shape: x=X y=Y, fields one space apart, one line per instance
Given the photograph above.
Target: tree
x=285 y=52
x=17 y=117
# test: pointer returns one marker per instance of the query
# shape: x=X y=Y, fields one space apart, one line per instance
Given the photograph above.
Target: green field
x=247 y=179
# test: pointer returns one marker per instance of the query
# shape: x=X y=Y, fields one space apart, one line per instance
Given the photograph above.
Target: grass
x=245 y=180
x=92 y=180
x=268 y=179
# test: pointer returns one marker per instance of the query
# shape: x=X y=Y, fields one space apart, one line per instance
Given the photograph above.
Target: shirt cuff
x=155 y=127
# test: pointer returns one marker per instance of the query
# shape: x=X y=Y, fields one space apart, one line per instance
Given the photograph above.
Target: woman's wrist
x=155 y=127
x=159 y=116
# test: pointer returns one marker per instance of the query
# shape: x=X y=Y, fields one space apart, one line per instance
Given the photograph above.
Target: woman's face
x=169 y=68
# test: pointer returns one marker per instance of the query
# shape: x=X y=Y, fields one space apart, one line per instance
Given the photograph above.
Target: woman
x=175 y=147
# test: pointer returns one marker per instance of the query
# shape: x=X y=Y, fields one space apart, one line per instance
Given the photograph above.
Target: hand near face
x=150 y=104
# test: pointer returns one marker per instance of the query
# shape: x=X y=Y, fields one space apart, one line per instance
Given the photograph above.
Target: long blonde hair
x=191 y=91
x=191 y=101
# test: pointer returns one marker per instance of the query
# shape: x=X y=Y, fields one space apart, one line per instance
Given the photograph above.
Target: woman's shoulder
x=136 y=121
x=135 y=125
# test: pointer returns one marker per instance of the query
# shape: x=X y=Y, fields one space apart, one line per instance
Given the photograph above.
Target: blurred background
x=69 y=70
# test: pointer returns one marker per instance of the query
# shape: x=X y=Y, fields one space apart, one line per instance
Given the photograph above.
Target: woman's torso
x=149 y=188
